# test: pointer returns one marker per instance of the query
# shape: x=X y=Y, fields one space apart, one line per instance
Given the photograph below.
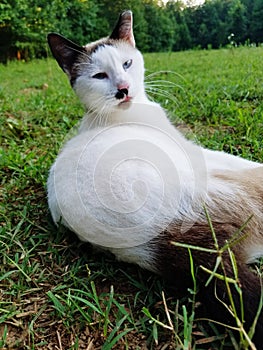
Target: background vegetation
x=158 y=27
x=57 y=293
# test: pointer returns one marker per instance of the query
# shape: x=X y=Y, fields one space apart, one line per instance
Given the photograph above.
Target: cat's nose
x=123 y=86
x=121 y=93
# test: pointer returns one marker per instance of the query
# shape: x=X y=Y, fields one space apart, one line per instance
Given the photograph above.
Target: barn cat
x=129 y=182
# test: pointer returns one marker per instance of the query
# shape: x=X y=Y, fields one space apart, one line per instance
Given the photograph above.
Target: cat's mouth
x=126 y=100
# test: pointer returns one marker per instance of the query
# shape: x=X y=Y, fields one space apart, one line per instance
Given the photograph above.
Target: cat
x=131 y=183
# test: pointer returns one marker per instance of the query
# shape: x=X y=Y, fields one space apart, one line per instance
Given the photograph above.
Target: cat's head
x=106 y=74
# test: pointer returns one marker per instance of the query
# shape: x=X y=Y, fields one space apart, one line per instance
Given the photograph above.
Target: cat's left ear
x=65 y=51
x=123 y=29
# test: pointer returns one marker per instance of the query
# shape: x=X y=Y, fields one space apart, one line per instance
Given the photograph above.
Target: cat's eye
x=126 y=65
x=100 y=76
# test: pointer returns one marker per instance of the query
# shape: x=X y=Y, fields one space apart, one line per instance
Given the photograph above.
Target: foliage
x=256 y=23
x=160 y=37
x=59 y=293
x=26 y=23
x=159 y=26
x=237 y=20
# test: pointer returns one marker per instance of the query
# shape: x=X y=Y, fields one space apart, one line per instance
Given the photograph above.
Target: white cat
x=129 y=182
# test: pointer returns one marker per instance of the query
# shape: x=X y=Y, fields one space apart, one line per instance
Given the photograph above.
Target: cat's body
x=131 y=183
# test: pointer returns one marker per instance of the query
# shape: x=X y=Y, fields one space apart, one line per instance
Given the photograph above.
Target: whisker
x=164 y=83
x=78 y=51
x=99 y=111
x=154 y=85
x=105 y=115
x=166 y=72
x=162 y=90
x=162 y=93
x=94 y=113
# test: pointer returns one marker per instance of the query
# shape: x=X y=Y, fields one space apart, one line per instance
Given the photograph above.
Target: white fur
x=254 y=252
x=99 y=95
x=129 y=173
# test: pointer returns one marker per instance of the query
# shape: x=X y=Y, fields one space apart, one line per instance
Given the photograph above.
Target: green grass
x=56 y=292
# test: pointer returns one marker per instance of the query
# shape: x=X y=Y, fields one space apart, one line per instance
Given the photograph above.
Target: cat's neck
x=141 y=110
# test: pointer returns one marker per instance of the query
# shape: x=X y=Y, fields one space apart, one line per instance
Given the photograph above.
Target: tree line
x=158 y=26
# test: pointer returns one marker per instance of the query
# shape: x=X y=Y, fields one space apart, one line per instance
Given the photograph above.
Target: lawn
x=58 y=293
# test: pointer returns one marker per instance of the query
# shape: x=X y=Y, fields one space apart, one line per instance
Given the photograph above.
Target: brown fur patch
x=227 y=216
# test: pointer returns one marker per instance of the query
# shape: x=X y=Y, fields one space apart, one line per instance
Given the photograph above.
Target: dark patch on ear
x=65 y=52
x=123 y=29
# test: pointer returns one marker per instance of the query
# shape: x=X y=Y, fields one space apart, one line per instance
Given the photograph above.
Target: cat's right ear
x=123 y=29
x=65 y=51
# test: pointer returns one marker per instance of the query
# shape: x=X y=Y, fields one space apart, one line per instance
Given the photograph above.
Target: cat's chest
x=126 y=155
x=122 y=177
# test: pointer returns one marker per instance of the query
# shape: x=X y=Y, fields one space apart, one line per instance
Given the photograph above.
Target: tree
x=202 y=24
x=181 y=35
x=160 y=32
x=237 y=21
x=110 y=11
x=256 y=22
x=81 y=21
x=24 y=24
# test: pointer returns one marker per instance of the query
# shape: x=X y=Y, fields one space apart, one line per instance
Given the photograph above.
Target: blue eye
x=100 y=76
x=126 y=65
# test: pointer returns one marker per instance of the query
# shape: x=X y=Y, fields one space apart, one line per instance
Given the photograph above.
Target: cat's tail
x=221 y=298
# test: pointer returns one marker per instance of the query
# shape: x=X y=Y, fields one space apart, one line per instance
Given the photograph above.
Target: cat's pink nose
x=123 y=86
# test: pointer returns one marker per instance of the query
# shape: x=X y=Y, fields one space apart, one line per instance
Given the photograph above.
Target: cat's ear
x=65 y=51
x=123 y=29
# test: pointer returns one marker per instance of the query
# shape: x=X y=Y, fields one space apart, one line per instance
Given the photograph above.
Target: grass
x=58 y=293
